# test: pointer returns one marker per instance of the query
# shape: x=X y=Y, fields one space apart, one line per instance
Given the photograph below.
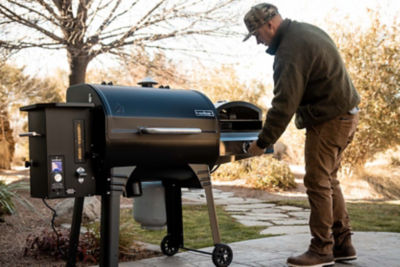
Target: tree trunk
x=78 y=65
x=6 y=142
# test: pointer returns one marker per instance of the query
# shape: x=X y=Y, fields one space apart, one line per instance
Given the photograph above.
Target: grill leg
x=203 y=174
x=109 y=234
x=173 y=205
x=75 y=230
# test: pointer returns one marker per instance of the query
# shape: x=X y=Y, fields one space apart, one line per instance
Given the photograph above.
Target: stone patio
x=254 y=212
x=374 y=249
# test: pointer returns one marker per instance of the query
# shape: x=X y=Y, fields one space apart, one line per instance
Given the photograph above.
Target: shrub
x=47 y=243
x=6 y=203
x=231 y=171
x=8 y=194
x=271 y=174
x=259 y=172
x=372 y=56
x=394 y=161
x=126 y=237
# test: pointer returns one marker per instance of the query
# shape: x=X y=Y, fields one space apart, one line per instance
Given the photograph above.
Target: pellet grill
x=106 y=140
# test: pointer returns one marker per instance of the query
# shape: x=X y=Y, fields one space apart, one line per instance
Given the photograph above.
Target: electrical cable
x=54 y=227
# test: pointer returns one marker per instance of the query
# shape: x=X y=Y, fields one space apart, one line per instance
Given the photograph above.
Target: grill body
x=159 y=131
x=135 y=125
x=106 y=140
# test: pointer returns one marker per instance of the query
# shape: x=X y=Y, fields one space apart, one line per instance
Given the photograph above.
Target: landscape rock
x=65 y=209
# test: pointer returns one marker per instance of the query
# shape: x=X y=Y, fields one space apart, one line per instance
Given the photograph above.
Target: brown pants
x=324 y=147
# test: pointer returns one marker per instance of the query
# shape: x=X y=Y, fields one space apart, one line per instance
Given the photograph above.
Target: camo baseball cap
x=258 y=16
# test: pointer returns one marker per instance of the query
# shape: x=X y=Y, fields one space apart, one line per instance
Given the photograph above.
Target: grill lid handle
x=158 y=130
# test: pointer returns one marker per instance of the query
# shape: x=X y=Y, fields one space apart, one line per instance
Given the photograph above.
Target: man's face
x=264 y=34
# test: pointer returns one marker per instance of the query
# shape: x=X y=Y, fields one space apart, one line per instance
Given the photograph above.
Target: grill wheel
x=222 y=255
x=168 y=246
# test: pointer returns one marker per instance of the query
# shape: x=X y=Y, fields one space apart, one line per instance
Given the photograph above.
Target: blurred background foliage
x=16 y=90
x=266 y=173
x=372 y=56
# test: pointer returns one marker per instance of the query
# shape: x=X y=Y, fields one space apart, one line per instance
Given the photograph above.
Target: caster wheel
x=222 y=255
x=168 y=246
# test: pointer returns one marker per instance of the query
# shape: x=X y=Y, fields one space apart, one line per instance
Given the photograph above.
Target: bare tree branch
x=118 y=43
x=88 y=28
x=40 y=14
x=31 y=24
x=49 y=9
x=110 y=17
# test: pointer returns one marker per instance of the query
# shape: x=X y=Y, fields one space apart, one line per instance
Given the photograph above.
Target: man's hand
x=255 y=150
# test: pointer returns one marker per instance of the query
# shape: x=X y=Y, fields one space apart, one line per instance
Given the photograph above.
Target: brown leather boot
x=343 y=249
x=311 y=259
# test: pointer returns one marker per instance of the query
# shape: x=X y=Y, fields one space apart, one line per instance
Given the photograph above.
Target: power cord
x=54 y=227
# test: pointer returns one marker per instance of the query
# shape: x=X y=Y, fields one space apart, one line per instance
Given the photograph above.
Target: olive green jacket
x=310 y=79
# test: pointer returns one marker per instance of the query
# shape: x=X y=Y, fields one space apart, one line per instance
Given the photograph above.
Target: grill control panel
x=60 y=159
x=57 y=174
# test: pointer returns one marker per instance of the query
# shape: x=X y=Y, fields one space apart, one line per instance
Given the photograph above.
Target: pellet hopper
x=106 y=140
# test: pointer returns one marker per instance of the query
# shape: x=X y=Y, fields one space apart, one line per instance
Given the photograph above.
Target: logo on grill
x=203 y=113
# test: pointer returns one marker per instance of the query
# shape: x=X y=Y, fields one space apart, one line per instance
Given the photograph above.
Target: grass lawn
x=365 y=216
x=196 y=232
x=379 y=216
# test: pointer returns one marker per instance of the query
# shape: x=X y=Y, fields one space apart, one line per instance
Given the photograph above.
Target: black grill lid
x=136 y=125
x=145 y=102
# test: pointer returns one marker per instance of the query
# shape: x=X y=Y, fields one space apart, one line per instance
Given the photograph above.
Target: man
x=310 y=80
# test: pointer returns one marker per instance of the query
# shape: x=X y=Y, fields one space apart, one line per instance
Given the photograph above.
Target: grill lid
x=144 y=102
x=136 y=125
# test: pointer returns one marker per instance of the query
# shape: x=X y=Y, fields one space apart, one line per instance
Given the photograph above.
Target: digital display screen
x=56 y=165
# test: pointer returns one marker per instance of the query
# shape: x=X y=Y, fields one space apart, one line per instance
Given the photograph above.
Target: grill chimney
x=147 y=82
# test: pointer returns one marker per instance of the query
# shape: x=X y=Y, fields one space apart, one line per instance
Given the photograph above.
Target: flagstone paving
x=373 y=250
x=254 y=212
x=290 y=223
